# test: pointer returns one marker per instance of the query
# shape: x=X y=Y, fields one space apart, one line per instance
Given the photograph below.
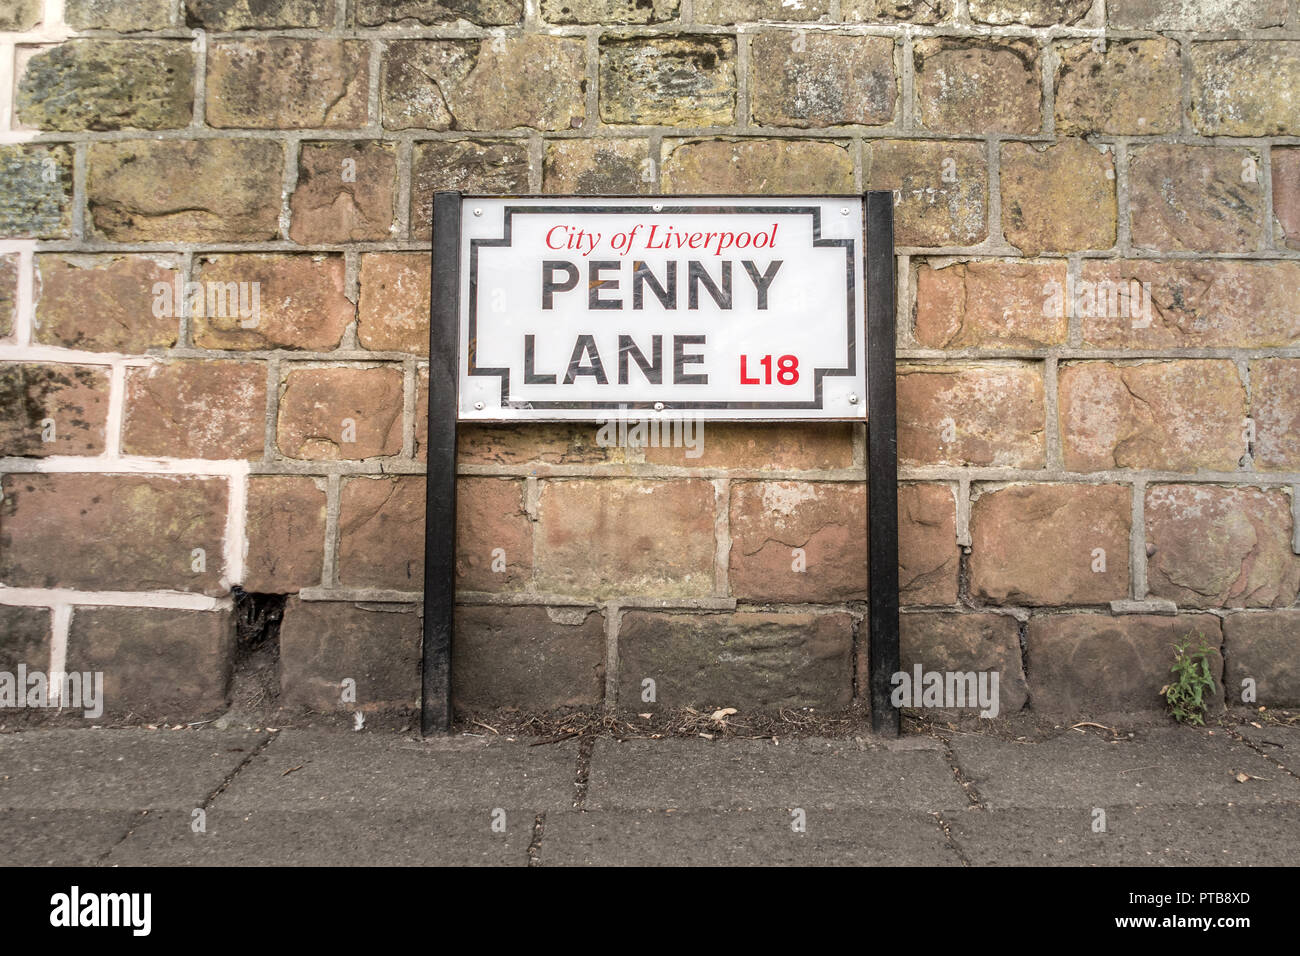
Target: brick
x=1194 y=198
x=346 y=192
x=913 y=11
x=20 y=15
x=495 y=83
x=1264 y=648
x=1037 y=544
x=322 y=408
x=157 y=662
x=928 y=557
x=394 y=306
x=1061 y=198
x=112 y=532
x=207 y=190
x=605 y=12
x=1131 y=87
x=976 y=415
x=1092 y=664
x=8 y=293
x=763 y=446
x=284 y=533
x=381 y=533
x=1207 y=303
x=1246 y=87
x=1213 y=546
x=668 y=81
x=492 y=531
x=1195 y=14
x=1286 y=196
x=35 y=191
x=990 y=304
x=300 y=302
x=595 y=167
x=961 y=643
x=1030 y=13
x=122 y=16
x=106 y=303
x=1171 y=416
x=747 y=11
x=755 y=661
x=196 y=410
x=531 y=659
x=625 y=537
x=772 y=521
x=977 y=86
x=467 y=166
x=483 y=12
x=940 y=189
x=756 y=166
x=535 y=443
x=53 y=409
x=226 y=15
x=24 y=638
x=829 y=79
x=287 y=83
x=108 y=85
x=1275 y=408
x=324 y=643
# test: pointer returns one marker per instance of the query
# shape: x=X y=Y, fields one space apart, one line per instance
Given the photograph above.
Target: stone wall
x=1098 y=208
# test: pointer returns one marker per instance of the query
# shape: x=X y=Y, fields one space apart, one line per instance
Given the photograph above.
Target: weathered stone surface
x=1038 y=544
x=324 y=643
x=495 y=83
x=223 y=15
x=913 y=11
x=300 y=302
x=927 y=544
x=8 y=293
x=483 y=12
x=1286 y=196
x=24 y=638
x=991 y=304
x=759 y=661
x=1246 y=87
x=467 y=166
x=1031 y=13
x=1212 y=546
x=35 y=191
x=762 y=445
x=552 y=443
x=156 y=662
x=1190 y=303
x=106 y=303
x=112 y=532
x=595 y=167
x=1197 y=198
x=1173 y=416
x=1195 y=14
x=940 y=189
x=285 y=533
x=527 y=658
x=756 y=166
x=494 y=536
x=962 y=643
x=394 y=308
x=108 y=84
x=1087 y=664
x=1131 y=87
x=196 y=410
x=668 y=81
x=52 y=409
x=212 y=190
x=747 y=11
x=798 y=541
x=1264 y=648
x=19 y=15
x=976 y=415
x=381 y=533
x=827 y=80
x=1061 y=198
x=287 y=83
x=346 y=192
x=605 y=12
x=1275 y=408
x=619 y=536
x=977 y=86
x=124 y=16
x=327 y=414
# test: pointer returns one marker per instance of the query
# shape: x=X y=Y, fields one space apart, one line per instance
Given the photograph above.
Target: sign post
x=562 y=308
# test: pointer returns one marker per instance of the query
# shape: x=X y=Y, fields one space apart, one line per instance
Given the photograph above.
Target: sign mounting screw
x=659 y=406
x=479 y=405
x=853 y=398
x=479 y=212
x=844 y=210
x=658 y=207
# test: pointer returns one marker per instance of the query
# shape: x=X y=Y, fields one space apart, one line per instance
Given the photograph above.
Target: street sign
x=724 y=308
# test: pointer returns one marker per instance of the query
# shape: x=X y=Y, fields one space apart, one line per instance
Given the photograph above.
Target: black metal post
x=882 y=462
x=440 y=490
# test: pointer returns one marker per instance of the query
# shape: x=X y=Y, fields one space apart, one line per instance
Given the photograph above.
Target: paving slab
x=744 y=838
x=738 y=774
x=1278 y=742
x=304 y=769
x=1134 y=836
x=117 y=769
x=1166 y=765
x=61 y=837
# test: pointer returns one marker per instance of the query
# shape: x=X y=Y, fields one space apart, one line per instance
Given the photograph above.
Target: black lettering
x=666 y=294
x=681 y=359
x=585 y=346
x=696 y=274
x=595 y=283
x=530 y=376
x=653 y=370
x=550 y=286
x=761 y=283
